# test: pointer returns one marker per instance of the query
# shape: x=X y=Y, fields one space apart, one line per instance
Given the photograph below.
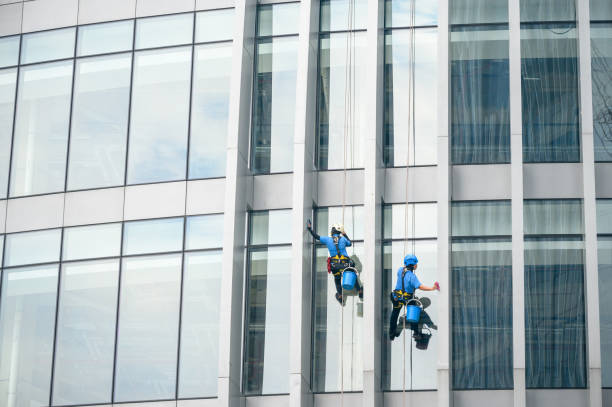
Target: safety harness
x=401 y=297
x=339 y=262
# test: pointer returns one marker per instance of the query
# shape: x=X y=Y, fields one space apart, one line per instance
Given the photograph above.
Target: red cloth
x=329 y=264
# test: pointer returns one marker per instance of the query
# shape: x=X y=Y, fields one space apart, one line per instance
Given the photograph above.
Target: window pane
x=334 y=15
x=210 y=110
x=153 y=236
x=478 y=11
x=48 y=45
x=353 y=220
x=553 y=217
x=1 y=249
x=86 y=333
x=9 y=51
x=99 y=122
x=32 y=247
x=274 y=105
x=278 y=19
x=199 y=360
x=160 y=113
x=270 y=227
x=480 y=95
x=148 y=328
x=266 y=364
x=215 y=25
x=601 y=70
x=162 y=31
x=548 y=10
x=423 y=150
x=105 y=38
x=333 y=107
x=88 y=242
x=604 y=216
x=397 y=13
x=204 y=232
x=8 y=81
x=27 y=322
x=601 y=10
x=486 y=218
x=41 y=129
x=605 y=308
x=555 y=345
x=394 y=218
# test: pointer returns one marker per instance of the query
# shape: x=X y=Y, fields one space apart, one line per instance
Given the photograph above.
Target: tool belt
x=338 y=263
x=401 y=297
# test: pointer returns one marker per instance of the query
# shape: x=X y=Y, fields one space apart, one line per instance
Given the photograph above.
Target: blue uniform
x=411 y=282
x=343 y=243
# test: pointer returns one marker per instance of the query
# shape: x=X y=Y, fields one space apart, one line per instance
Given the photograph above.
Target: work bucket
x=422 y=340
x=349 y=277
x=413 y=312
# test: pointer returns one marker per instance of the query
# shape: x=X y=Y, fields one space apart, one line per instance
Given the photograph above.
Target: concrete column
x=232 y=281
x=300 y=394
x=590 y=209
x=373 y=190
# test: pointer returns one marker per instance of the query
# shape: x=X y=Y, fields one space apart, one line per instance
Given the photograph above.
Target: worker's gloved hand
x=308 y=224
x=437 y=286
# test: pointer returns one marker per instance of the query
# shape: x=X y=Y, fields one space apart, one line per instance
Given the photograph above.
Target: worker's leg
x=338 y=282
x=397 y=307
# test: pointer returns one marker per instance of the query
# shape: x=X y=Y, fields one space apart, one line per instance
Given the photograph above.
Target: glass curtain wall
x=268 y=296
x=481 y=267
x=409 y=131
x=8 y=86
x=274 y=88
x=604 y=255
x=549 y=78
x=480 y=82
x=555 y=337
x=402 y=356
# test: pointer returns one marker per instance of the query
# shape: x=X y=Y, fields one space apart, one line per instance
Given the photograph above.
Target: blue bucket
x=413 y=312
x=349 y=277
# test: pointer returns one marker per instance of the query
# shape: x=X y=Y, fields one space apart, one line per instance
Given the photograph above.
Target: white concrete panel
x=96 y=206
x=503 y=398
x=557 y=398
x=481 y=182
x=10 y=19
x=331 y=185
x=603 y=180
x=46 y=14
x=2 y=216
x=274 y=1
x=158 y=7
x=150 y=404
x=413 y=398
x=205 y=196
x=155 y=200
x=335 y=399
x=267 y=401
x=213 y=4
x=543 y=181
x=94 y=11
x=272 y=191
x=36 y=212
x=199 y=403
x=422 y=184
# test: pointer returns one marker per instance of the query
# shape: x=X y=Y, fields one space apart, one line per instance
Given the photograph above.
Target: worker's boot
x=339 y=299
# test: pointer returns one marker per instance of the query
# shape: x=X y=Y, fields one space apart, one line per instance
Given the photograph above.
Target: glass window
x=200 y=325
x=9 y=51
x=601 y=70
x=604 y=257
x=425 y=217
x=334 y=15
x=274 y=105
x=1 y=249
x=204 y=232
x=353 y=220
x=604 y=216
x=153 y=236
x=85 y=345
x=48 y=45
x=547 y=10
x=399 y=145
x=8 y=82
x=27 y=323
x=478 y=11
x=553 y=217
x=270 y=227
x=32 y=247
x=266 y=364
x=99 y=122
x=41 y=129
x=481 y=218
x=105 y=38
x=90 y=242
x=214 y=25
x=333 y=141
x=278 y=19
x=163 y=31
x=397 y=13
x=148 y=328
x=601 y=10
x=210 y=110
x=160 y=113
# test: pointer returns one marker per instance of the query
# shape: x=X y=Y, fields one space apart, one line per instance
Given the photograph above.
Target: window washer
x=407 y=283
x=338 y=259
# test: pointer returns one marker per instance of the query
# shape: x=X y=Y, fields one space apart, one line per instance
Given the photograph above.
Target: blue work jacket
x=411 y=282
x=343 y=243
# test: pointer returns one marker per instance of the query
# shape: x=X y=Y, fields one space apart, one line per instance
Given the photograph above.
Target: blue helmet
x=410 y=260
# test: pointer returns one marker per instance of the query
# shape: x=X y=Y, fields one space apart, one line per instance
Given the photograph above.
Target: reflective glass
x=397 y=13
x=278 y=19
x=333 y=141
x=89 y=242
x=1 y=249
x=480 y=95
x=199 y=358
x=148 y=328
x=99 y=122
x=153 y=236
x=400 y=144
x=105 y=38
x=481 y=218
x=270 y=227
x=420 y=364
x=86 y=333
x=601 y=10
x=8 y=82
x=47 y=45
x=548 y=10
x=425 y=217
x=266 y=363
x=601 y=71
x=9 y=51
x=329 y=372
x=163 y=31
x=27 y=323
x=204 y=232
x=274 y=105
x=160 y=113
x=41 y=129
x=478 y=11
x=353 y=220
x=553 y=217
x=605 y=307
x=604 y=216
x=32 y=247
x=334 y=14
x=214 y=25
x=210 y=110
